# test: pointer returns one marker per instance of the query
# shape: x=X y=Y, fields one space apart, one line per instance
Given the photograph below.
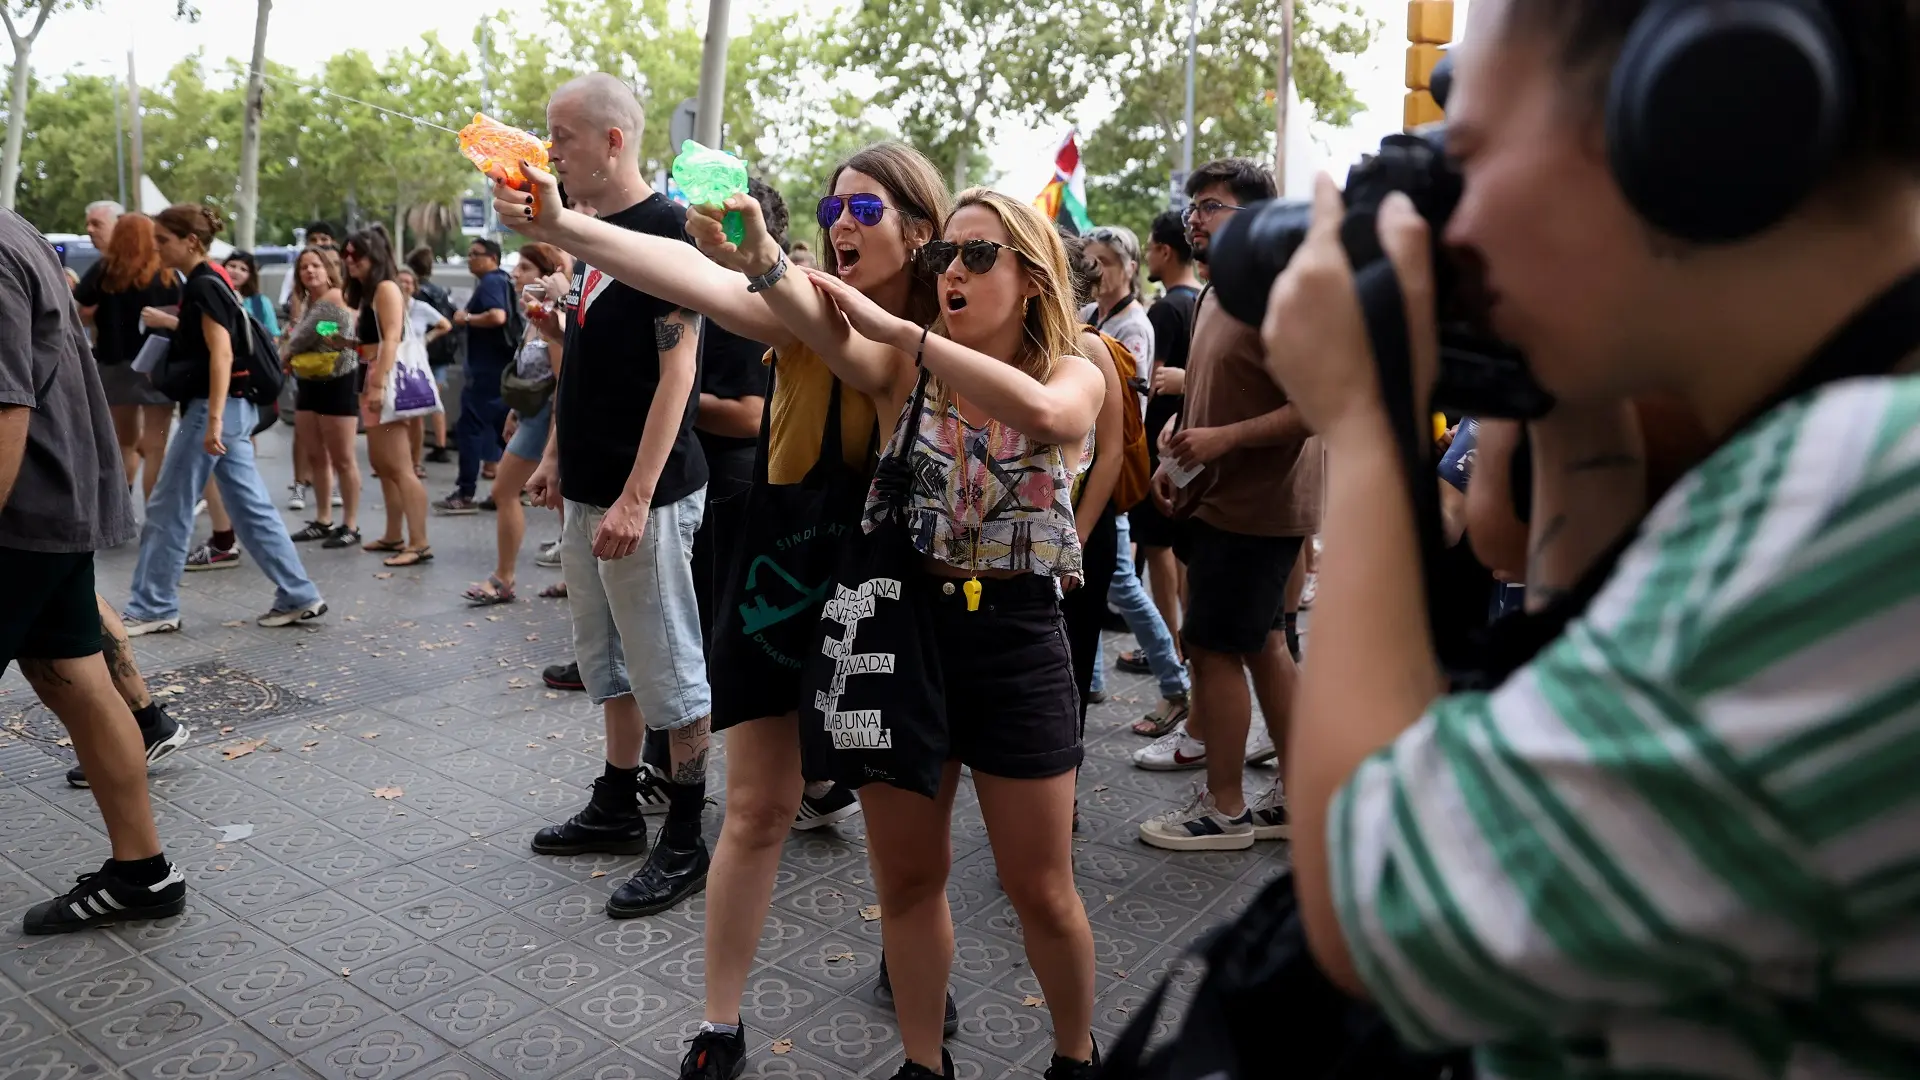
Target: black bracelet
x=920 y=355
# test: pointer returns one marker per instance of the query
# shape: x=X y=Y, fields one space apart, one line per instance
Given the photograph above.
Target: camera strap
x=1878 y=340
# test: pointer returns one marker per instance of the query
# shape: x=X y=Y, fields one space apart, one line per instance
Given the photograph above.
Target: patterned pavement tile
x=469 y=957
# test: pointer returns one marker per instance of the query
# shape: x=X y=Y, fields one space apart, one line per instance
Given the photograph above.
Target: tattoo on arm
x=1600 y=462
x=668 y=330
x=1548 y=534
x=687 y=748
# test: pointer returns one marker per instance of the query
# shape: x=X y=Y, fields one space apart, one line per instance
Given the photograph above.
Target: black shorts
x=1150 y=528
x=51 y=613
x=1012 y=710
x=338 y=396
x=1236 y=587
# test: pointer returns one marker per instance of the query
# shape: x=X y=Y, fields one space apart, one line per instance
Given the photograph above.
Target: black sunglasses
x=978 y=256
x=866 y=207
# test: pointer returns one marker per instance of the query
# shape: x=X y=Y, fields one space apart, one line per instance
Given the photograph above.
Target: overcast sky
x=303 y=33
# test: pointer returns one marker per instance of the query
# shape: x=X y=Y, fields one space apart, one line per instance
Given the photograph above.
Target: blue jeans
x=1129 y=597
x=477 y=432
x=169 y=527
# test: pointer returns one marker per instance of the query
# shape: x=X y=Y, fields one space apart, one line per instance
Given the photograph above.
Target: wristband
x=771 y=278
x=920 y=354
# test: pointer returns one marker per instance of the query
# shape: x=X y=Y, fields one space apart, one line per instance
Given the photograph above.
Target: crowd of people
x=867 y=509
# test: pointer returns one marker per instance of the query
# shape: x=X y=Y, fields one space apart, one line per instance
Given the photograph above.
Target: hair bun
x=216 y=224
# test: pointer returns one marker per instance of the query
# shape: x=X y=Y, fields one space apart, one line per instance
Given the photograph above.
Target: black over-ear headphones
x=1724 y=115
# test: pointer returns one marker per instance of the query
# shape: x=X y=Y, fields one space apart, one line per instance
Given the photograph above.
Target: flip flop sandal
x=1154 y=725
x=556 y=591
x=410 y=557
x=377 y=547
x=493 y=592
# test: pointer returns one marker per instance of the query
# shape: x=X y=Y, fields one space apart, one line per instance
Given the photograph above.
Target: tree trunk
x=16 y=123
x=399 y=230
x=138 y=157
x=17 y=101
x=246 y=221
x=962 y=158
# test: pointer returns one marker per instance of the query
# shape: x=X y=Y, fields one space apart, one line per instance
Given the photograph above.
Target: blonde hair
x=329 y=261
x=1050 y=328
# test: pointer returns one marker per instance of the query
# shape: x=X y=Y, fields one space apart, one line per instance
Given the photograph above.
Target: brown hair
x=196 y=220
x=1880 y=40
x=546 y=258
x=373 y=245
x=131 y=259
x=914 y=189
x=329 y=261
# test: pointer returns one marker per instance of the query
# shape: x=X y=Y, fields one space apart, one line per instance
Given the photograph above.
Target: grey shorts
x=636 y=621
x=125 y=386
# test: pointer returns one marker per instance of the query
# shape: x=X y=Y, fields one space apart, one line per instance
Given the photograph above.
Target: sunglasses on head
x=866 y=208
x=978 y=256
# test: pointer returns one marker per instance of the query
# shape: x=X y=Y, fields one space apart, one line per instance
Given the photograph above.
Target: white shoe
x=549 y=556
x=336 y=501
x=1173 y=752
x=1270 y=821
x=1260 y=744
x=298 y=500
x=278 y=617
x=1199 y=826
x=143 y=627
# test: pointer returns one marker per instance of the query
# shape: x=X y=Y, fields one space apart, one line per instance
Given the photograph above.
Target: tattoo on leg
x=43 y=671
x=688 y=748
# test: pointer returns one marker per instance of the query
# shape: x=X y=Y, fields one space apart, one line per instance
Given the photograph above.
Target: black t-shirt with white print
x=611 y=374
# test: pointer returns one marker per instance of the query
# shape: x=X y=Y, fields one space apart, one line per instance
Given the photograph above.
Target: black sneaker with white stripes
x=652 y=790
x=162 y=739
x=103 y=897
x=838 y=804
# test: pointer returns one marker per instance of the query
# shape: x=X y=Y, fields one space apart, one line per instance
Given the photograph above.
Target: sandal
x=493 y=592
x=555 y=591
x=1153 y=725
x=420 y=471
x=378 y=547
x=410 y=557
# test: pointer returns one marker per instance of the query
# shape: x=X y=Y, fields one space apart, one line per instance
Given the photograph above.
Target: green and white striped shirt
x=1685 y=841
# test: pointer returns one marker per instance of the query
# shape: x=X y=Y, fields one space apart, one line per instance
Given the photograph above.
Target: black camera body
x=1479 y=374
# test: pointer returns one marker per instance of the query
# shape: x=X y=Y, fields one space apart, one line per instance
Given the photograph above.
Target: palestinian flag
x=1064 y=200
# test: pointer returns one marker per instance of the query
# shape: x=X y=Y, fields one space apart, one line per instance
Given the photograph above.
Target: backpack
x=450 y=348
x=258 y=362
x=256 y=365
x=1136 y=467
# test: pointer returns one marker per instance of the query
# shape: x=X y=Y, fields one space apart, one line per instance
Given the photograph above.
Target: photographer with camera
x=1245 y=469
x=1680 y=840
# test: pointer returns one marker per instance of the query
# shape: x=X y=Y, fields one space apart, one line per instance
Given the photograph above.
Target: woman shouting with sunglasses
x=998 y=407
x=813 y=463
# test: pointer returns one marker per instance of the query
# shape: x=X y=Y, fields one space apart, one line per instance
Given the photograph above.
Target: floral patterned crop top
x=987 y=498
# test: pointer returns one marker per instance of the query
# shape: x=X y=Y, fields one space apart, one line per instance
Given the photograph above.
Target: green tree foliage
x=66 y=157
x=1131 y=157
x=954 y=71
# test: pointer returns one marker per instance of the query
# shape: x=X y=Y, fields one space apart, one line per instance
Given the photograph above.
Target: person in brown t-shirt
x=1254 y=499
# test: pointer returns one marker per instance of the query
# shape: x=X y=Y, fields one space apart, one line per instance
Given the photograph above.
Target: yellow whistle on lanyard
x=971 y=587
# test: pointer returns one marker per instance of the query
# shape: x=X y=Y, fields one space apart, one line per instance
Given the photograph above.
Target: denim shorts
x=529 y=440
x=636 y=621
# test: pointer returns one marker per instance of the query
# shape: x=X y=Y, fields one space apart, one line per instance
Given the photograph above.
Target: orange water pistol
x=497 y=150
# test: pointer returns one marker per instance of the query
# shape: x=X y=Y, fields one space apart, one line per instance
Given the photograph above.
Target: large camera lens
x=1249 y=253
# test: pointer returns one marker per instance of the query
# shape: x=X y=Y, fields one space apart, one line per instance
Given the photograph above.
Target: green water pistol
x=710 y=178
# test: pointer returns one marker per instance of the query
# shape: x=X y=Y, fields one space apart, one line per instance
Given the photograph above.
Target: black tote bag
x=874 y=705
x=1264 y=1009
x=768 y=618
